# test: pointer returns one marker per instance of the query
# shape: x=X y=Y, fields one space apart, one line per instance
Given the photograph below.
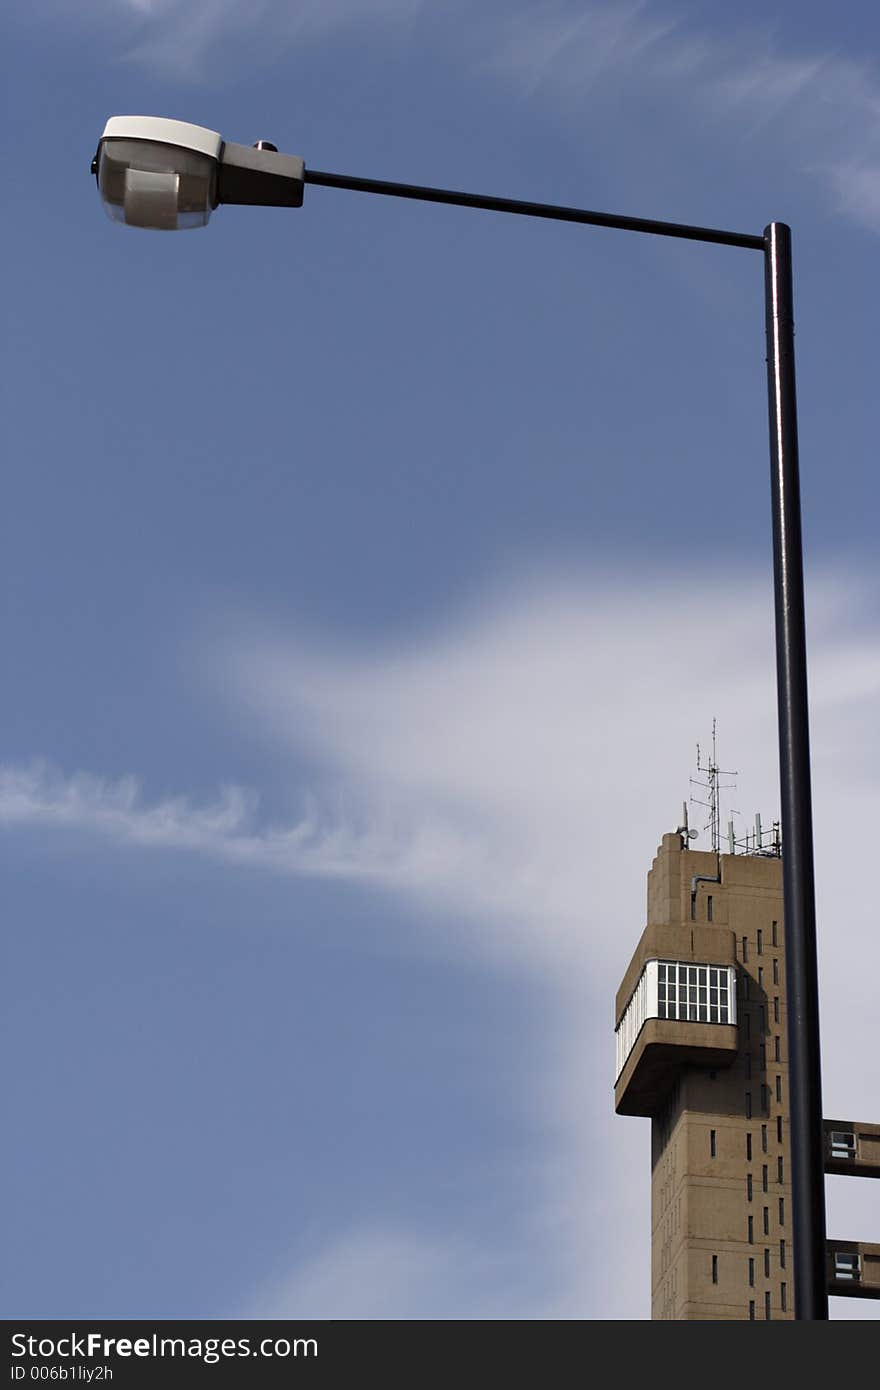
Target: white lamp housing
x=169 y=175
x=158 y=173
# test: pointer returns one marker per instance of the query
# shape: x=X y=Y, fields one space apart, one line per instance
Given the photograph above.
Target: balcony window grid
x=693 y=993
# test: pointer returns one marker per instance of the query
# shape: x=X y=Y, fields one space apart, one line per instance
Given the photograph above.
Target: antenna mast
x=713 y=785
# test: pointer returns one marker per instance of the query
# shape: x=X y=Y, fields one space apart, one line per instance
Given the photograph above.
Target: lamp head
x=170 y=175
x=157 y=173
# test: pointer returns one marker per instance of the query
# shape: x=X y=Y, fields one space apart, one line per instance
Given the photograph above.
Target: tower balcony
x=675 y=1008
x=853 y=1268
x=852 y=1148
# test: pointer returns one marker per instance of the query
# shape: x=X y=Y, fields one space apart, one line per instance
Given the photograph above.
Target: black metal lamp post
x=165 y=174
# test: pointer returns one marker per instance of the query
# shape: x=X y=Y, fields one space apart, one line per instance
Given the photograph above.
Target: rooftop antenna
x=684 y=829
x=713 y=785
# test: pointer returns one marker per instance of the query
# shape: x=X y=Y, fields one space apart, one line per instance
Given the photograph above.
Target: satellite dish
x=692 y=834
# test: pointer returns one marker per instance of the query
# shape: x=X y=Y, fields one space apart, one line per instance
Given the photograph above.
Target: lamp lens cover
x=144 y=183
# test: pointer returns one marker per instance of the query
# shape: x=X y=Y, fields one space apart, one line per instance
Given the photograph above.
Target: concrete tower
x=701 y=1048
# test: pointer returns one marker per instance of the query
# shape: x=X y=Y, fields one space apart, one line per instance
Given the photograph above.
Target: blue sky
x=370 y=573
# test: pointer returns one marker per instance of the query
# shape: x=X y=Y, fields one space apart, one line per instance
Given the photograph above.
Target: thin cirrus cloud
x=823 y=106
x=376 y=1267
x=184 y=38
x=510 y=766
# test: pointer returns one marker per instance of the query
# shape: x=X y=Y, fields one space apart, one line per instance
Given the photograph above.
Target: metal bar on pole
x=526 y=209
x=801 y=968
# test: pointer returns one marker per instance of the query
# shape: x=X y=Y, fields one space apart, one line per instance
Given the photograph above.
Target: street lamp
x=169 y=175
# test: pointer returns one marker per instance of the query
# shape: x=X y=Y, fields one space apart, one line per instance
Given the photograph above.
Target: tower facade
x=701 y=1049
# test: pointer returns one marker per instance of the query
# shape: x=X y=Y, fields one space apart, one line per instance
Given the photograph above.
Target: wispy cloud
x=184 y=38
x=856 y=184
x=824 y=106
x=39 y=794
x=572 y=47
x=491 y=766
x=385 y=1271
